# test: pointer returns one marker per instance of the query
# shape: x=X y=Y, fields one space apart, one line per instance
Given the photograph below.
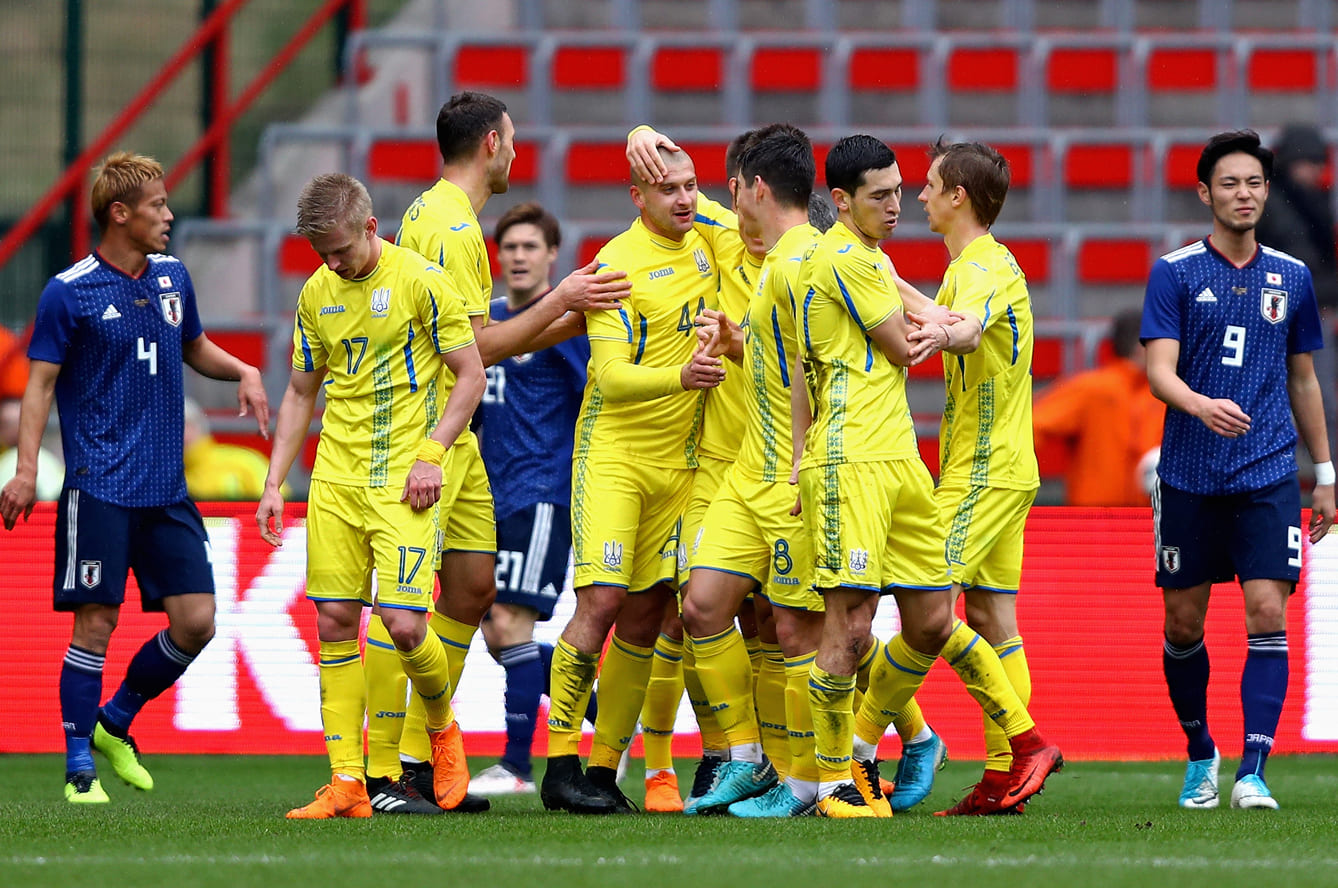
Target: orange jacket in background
x=1107 y=419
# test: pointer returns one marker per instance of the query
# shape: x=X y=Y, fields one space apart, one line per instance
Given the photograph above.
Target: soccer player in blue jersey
x=111 y=334
x=1229 y=327
x=529 y=419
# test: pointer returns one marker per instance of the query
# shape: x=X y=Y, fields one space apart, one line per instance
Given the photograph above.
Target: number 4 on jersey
x=149 y=353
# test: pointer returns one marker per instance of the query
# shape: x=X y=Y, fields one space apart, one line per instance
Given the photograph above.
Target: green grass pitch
x=218 y=821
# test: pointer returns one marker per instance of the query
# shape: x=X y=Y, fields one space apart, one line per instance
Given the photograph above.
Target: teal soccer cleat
x=779 y=801
x=915 y=772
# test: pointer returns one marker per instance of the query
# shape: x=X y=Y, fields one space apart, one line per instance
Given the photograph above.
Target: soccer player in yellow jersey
x=374 y=328
x=989 y=476
x=476 y=138
x=636 y=442
x=868 y=498
x=724 y=409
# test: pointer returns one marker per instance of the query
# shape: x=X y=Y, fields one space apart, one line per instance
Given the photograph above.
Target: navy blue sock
x=154 y=669
x=1186 y=671
x=591 y=709
x=1263 y=688
x=524 y=684
x=80 y=690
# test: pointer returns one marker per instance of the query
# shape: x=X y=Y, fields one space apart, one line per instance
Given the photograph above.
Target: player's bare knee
x=1265 y=616
x=93 y=627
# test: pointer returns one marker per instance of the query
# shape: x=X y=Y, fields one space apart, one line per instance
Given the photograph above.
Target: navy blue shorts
x=1255 y=535
x=98 y=542
x=533 y=550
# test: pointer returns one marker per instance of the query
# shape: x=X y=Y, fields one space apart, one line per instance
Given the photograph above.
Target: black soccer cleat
x=422 y=782
x=605 y=780
x=566 y=788
x=398 y=797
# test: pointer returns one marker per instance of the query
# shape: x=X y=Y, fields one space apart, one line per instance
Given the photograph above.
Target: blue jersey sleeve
x=1161 y=304
x=54 y=327
x=1305 y=335
x=576 y=352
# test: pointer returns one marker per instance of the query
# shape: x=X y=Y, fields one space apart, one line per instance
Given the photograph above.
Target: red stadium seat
x=1072 y=69
x=983 y=69
x=1099 y=166
x=1182 y=69
x=597 y=163
x=879 y=68
x=1273 y=70
x=1033 y=257
x=249 y=345
x=786 y=69
x=1114 y=261
x=587 y=249
x=687 y=68
x=505 y=66
x=1179 y=165
x=590 y=67
x=404 y=160
x=296 y=257
x=1047 y=359
x=918 y=260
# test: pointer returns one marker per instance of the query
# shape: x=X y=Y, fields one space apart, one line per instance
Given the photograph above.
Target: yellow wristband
x=432 y=452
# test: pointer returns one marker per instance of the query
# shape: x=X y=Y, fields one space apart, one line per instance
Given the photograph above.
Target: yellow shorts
x=351 y=530
x=749 y=531
x=625 y=522
x=984 y=528
x=707 y=479
x=467 y=520
x=874 y=526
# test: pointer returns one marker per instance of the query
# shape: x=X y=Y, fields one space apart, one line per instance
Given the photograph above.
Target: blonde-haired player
x=380 y=322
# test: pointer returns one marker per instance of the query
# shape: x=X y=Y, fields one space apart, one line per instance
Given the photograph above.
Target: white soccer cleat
x=1200 y=789
x=1250 y=791
x=499 y=780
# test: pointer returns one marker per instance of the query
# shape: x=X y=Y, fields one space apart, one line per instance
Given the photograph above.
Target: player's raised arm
x=21 y=491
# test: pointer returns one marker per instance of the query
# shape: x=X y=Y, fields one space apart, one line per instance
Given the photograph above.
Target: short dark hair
x=852 y=157
x=821 y=213
x=782 y=156
x=980 y=170
x=737 y=146
x=464 y=121
x=529 y=214
x=1124 y=332
x=1237 y=141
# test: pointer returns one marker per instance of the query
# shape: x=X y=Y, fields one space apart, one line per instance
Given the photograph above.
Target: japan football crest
x=1273 y=305
x=1170 y=558
x=171 y=303
x=90 y=573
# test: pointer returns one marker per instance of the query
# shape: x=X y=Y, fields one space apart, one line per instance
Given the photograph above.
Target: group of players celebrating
x=744 y=454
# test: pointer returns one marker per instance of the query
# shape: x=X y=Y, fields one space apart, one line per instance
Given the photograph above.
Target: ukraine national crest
x=171 y=303
x=613 y=555
x=1273 y=305
x=381 y=300
x=1170 y=558
x=859 y=560
x=703 y=264
x=90 y=573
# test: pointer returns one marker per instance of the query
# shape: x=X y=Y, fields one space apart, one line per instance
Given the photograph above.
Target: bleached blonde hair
x=121 y=178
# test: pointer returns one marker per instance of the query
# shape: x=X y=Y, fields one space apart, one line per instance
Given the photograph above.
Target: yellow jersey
x=379 y=339
x=441 y=225
x=672 y=283
x=859 y=402
x=725 y=406
x=986 y=436
x=767 y=451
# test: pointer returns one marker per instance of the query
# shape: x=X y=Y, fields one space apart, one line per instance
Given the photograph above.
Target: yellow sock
x=457 y=637
x=998 y=754
x=895 y=678
x=909 y=722
x=622 y=691
x=831 y=697
x=429 y=671
x=976 y=663
x=660 y=710
x=387 y=687
x=756 y=656
x=712 y=737
x=414 y=745
x=769 y=695
x=571 y=678
x=343 y=706
x=727 y=678
x=799 y=720
x=862 y=670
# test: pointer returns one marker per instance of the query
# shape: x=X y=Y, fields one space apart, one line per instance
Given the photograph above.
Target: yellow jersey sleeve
x=309 y=354
x=719 y=226
x=440 y=225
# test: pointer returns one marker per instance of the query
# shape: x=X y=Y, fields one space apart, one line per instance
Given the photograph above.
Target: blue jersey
x=119 y=342
x=529 y=420
x=1236 y=328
